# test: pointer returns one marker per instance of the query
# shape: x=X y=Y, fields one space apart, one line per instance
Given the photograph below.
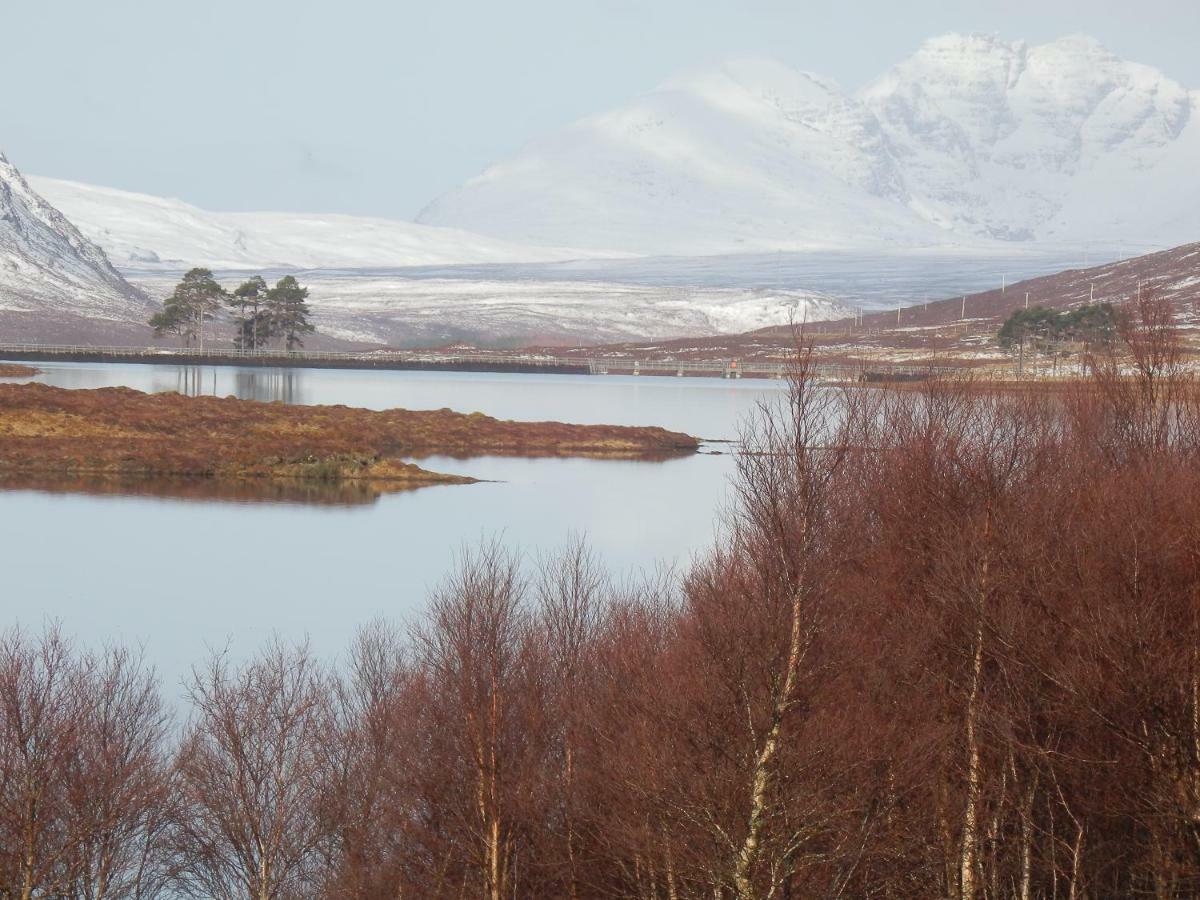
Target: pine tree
x=193 y=301
x=289 y=312
x=173 y=318
x=253 y=330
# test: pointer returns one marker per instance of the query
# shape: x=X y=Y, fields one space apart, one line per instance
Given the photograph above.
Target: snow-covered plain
x=391 y=309
x=972 y=140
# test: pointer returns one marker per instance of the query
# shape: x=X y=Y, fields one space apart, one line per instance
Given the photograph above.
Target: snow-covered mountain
x=972 y=140
x=140 y=231
x=48 y=269
x=1059 y=141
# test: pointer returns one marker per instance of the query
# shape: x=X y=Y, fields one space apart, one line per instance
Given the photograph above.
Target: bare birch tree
x=251 y=778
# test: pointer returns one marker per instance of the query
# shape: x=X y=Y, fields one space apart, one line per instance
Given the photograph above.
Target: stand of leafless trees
x=948 y=646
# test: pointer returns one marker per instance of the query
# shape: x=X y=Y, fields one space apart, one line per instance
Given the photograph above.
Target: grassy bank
x=123 y=433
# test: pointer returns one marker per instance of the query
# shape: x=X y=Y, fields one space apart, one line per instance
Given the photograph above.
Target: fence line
x=410 y=359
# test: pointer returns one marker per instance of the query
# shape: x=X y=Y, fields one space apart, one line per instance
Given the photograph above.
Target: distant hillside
x=1174 y=274
x=938 y=331
x=142 y=232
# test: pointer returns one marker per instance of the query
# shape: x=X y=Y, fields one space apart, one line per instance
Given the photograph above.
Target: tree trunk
x=569 y=824
x=672 y=891
x=1027 y=842
x=743 y=872
x=970 y=836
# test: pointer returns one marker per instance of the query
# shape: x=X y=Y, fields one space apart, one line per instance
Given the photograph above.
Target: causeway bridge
x=439 y=360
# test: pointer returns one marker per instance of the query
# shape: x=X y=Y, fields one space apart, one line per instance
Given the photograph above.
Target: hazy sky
x=376 y=107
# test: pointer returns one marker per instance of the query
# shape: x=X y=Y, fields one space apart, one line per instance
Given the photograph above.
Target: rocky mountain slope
x=52 y=278
x=973 y=140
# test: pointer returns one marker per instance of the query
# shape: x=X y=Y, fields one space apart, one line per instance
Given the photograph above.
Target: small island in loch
x=16 y=370
x=123 y=433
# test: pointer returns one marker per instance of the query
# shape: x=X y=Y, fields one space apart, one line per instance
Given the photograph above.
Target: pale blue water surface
x=182 y=575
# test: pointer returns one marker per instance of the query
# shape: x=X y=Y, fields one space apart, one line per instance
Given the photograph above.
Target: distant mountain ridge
x=141 y=231
x=971 y=141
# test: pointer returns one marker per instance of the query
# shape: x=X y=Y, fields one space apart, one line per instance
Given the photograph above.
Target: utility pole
x=1027 y=299
x=963 y=314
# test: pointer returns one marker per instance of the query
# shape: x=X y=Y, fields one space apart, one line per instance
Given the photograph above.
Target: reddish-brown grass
x=15 y=370
x=119 y=432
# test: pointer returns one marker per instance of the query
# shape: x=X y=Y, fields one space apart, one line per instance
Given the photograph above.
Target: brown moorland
x=15 y=370
x=123 y=433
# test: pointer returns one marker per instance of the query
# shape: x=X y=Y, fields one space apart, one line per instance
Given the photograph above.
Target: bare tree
x=251 y=777
x=370 y=806
x=120 y=784
x=768 y=593
x=40 y=712
x=571 y=588
x=483 y=689
x=84 y=772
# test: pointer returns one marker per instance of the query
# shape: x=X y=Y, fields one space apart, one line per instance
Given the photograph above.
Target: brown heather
x=122 y=433
x=14 y=370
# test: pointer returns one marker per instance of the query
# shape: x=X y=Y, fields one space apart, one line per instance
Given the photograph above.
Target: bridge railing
x=728 y=367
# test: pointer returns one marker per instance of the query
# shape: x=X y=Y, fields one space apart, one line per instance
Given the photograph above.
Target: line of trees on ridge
x=261 y=314
x=946 y=645
x=1094 y=324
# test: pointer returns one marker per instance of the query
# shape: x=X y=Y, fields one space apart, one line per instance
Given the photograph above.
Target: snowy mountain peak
x=756 y=80
x=1002 y=139
x=972 y=139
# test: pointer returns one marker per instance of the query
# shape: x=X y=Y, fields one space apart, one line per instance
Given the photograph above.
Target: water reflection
x=268 y=384
x=182 y=567
x=249 y=490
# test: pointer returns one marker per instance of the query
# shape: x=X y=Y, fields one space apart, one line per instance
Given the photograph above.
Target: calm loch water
x=179 y=567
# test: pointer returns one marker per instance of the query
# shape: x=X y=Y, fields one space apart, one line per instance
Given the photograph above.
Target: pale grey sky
x=377 y=106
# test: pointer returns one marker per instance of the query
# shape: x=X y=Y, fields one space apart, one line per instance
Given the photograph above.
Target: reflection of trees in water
x=191 y=381
x=267 y=384
x=196 y=380
x=247 y=490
